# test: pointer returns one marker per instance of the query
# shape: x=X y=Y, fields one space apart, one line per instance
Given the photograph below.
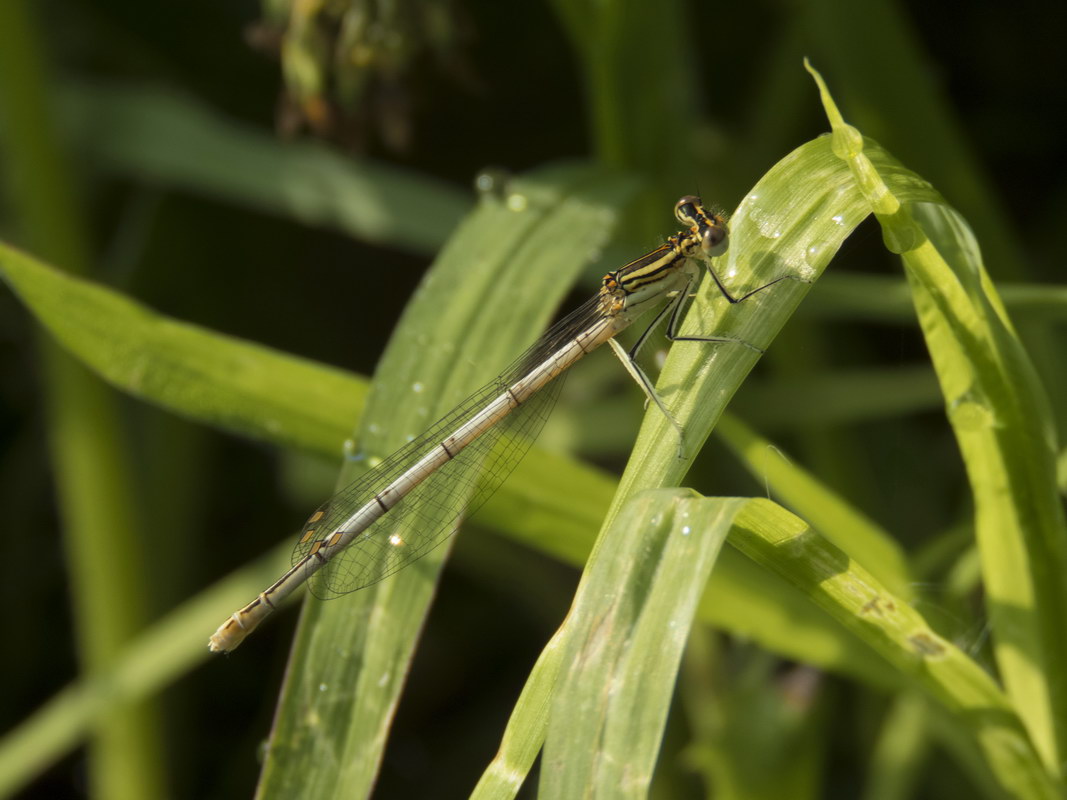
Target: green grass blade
x=1003 y=425
x=625 y=635
x=217 y=379
x=174 y=141
x=490 y=292
x=784 y=543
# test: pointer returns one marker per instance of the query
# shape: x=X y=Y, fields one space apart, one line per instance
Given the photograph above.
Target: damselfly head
x=710 y=227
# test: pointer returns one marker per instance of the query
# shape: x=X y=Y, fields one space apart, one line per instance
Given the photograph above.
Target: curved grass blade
x=784 y=543
x=1003 y=424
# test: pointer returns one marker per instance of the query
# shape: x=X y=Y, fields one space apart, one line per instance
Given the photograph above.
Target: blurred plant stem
x=93 y=474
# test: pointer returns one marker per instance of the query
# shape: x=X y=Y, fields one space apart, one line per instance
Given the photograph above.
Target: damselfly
x=413 y=501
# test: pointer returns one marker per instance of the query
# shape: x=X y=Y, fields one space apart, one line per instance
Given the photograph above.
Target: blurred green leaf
x=98 y=521
x=839 y=522
x=839 y=398
x=168 y=650
x=160 y=136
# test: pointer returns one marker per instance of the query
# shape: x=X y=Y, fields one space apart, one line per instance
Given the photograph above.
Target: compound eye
x=687 y=210
x=715 y=241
